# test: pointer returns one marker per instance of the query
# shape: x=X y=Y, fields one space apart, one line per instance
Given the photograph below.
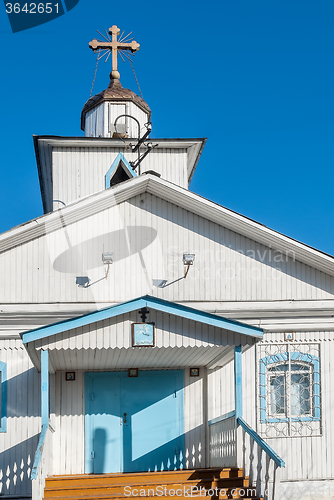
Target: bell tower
x=115 y=103
x=116 y=147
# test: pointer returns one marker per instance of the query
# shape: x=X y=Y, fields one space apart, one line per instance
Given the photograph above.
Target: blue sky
x=254 y=76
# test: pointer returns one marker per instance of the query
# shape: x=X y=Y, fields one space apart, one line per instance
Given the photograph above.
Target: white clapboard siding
x=148 y=237
x=312 y=457
x=69 y=437
x=195 y=422
x=100 y=120
x=221 y=391
x=305 y=457
x=19 y=443
x=113 y=112
x=95 y=120
x=80 y=172
x=68 y=442
x=170 y=331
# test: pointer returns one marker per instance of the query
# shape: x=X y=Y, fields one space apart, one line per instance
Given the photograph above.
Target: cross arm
x=96 y=45
x=133 y=46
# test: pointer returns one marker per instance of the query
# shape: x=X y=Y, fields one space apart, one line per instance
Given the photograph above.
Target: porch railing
x=260 y=462
x=42 y=465
x=223 y=441
x=233 y=443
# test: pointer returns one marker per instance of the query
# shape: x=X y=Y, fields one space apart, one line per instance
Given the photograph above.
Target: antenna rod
x=147 y=133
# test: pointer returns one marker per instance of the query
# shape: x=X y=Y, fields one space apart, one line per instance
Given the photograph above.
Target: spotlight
x=108 y=258
x=188 y=259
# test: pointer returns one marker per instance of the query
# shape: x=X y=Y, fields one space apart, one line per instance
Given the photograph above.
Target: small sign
x=70 y=376
x=194 y=372
x=143 y=334
x=133 y=372
x=288 y=336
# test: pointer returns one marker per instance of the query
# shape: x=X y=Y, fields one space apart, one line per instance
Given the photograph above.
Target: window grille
x=289 y=389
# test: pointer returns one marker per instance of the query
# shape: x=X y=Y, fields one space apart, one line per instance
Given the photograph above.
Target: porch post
x=45 y=387
x=238 y=381
x=238 y=404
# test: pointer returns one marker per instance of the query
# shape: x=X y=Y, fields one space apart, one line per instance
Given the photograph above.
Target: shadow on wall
x=233 y=244
x=88 y=254
x=159 y=459
x=137 y=424
x=24 y=398
x=15 y=468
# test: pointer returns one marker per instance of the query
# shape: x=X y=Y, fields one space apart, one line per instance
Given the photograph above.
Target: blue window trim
x=283 y=358
x=126 y=164
x=3 y=420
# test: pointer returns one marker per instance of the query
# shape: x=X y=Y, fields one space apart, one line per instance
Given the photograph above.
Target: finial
x=113 y=46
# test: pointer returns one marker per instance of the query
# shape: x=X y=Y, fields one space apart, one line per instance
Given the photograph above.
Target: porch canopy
x=102 y=340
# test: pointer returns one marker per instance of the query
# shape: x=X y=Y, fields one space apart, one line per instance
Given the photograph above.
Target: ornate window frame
x=288 y=355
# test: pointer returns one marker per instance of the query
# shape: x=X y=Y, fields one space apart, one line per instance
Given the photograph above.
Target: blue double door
x=134 y=424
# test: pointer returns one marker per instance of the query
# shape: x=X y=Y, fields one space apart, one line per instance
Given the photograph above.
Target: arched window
x=289 y=387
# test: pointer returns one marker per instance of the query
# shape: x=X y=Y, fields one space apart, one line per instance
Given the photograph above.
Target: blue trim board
x=45 y=387
x=119 y=158
x=265 y=447
x=222 y=418
x=3 y=421
x=39 y=452
x=88 y=422
x=238 y=380
x=136 y=304
x=283 y=358
x=45 y=390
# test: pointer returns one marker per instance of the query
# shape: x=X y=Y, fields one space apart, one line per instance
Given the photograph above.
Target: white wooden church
x=152 y=338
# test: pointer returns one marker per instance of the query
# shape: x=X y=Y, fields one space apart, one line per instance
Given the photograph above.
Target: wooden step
x=163 y=485
x=146 y=477
x=232 y=493
x=222 y=496
x=114 y=489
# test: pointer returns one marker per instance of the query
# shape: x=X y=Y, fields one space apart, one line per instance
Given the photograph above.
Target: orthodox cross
x=143 y=313
x=113 y=45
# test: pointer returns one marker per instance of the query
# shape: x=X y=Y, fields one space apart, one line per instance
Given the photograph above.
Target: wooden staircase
x=216 y=484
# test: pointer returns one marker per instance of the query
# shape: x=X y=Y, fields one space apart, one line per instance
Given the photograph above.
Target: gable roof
x=180 y=197
x=134 y=305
